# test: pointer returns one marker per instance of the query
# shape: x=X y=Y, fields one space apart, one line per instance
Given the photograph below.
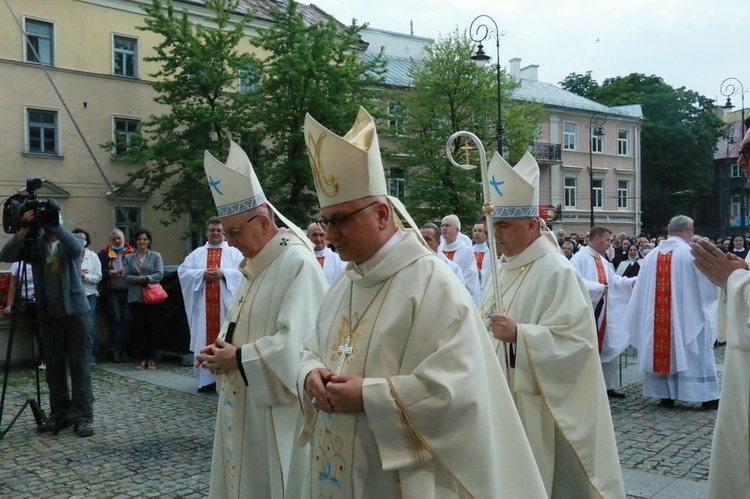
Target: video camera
x=46 y=211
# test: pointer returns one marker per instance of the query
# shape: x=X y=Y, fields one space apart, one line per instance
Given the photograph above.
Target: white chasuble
x=438 y=418
x=557 y=380
x=274 y=308
x=729 y=473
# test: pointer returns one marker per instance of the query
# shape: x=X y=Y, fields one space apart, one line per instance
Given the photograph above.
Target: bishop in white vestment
x=257 y=354
x=672 y=319
x=401 y=391
x=546 y=322
x=208 y=278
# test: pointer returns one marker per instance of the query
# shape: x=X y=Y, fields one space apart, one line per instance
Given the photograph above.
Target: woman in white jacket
x=91 y=274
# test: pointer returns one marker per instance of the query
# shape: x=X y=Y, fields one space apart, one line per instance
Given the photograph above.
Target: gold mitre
x=514 y=191
x=345 y=168
x=236 y=189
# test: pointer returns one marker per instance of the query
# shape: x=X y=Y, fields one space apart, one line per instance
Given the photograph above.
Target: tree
x=200 y=68
x=583 y=85
x=678 y=140
x=309 y=68
x=452 y=93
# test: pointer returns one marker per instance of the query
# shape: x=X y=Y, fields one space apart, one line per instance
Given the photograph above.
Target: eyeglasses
x=745 y=153
x=235 y=231
x=340 y=220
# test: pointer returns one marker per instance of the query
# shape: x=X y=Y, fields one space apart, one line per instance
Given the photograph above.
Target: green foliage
x=310 y=68
x=451 y=93
x=199 y=68
x=583 y=85
x=678 y=141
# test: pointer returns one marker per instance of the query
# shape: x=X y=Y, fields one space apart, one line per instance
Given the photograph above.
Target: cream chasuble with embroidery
x=274 y=308
x=438 y=419
x=557 y=381
x=729 y=474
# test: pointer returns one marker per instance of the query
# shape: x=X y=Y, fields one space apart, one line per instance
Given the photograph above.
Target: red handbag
x=153 y=294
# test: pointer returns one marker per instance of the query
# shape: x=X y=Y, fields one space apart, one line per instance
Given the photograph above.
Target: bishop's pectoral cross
x=344 y=351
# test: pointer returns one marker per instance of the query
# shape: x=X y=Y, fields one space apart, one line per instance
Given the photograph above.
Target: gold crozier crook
x=321 y=180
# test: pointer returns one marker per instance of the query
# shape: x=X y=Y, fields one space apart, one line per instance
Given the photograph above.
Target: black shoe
x=668 y=403
x=116 y=357
x=710 y=404
x=615 y=395
x=207 y=388
x=52 y=426
x=83 y=429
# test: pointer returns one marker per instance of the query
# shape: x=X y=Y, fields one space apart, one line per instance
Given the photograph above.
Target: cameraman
x=63 y=316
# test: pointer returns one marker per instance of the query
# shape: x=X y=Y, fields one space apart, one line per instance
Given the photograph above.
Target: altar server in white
x=402 y=393
x=461 y=254
x=544 y=318
x=208 y=278
x=481 y=254
x=257 y=353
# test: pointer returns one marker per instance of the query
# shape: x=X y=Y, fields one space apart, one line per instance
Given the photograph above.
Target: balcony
x=546 y=152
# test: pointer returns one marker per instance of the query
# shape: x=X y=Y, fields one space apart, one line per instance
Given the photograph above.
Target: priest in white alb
x=257 y=352
x=609 y=294
x=672 y=319
x=545 y=323
x=461 y=254
x=328 y=259
x=208 y=277
x=401 y=391
x=729 y=473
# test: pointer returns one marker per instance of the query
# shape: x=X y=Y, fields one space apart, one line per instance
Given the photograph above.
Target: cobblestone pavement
x=156 y=441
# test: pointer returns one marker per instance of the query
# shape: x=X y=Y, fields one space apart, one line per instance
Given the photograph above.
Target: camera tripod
x=35 y=403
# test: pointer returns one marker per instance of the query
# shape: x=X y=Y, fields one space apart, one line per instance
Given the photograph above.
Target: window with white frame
x=249 y=78
x=623 y=142
x=571 y=188
x=598 y=193
x=395 y=123
x=41 y=131
x=570 y=130
x=126 y=130
x=736 y=207
x=736 y=171
x=125 y=56
x=623 y=188
x=40 y=42
x=128 y=220
x=396 y=183
x=597 y=141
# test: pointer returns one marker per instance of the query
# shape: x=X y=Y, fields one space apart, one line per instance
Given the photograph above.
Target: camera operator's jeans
x=121 y=321
x=66 y=342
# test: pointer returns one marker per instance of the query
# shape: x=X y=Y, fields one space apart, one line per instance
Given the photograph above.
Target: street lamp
x=596 y=129
x=482 y=32
x=728 y=89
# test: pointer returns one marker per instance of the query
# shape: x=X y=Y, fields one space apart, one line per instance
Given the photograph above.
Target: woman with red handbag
x=142 y=271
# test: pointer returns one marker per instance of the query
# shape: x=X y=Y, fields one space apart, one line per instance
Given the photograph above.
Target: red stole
x=479 y=257
x=321 y=259
x=449 y=254
x=213 y=298
x=663 y=314
x=601 y=276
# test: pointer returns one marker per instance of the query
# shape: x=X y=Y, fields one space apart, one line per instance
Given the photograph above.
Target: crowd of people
x=369 y=356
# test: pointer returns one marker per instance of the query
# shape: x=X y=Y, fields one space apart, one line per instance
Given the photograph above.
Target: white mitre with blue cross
x=514 y=191
x=236 y=189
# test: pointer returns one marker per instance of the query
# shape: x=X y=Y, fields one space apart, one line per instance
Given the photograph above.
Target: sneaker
x=83 y=429
x=93 y=362
x=52 y=426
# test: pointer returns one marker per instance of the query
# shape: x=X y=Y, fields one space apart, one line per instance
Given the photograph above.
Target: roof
x=397 y=69
x=552 y=95
x=263 y=8
x=729 y=146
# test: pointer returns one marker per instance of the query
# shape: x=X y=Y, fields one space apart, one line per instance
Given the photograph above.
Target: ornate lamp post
x=729 y=87
x=596 y=129
x=482 y=32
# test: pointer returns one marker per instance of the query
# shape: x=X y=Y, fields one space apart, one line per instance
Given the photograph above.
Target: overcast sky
x=690 y=43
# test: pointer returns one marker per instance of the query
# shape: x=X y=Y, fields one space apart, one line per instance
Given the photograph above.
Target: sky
x=692 y=43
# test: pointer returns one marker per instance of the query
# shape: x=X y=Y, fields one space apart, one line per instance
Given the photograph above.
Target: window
x=42 y=131
x=126 y=130
x=597 y=141
x=249 y=79
x=128 y=220
x=569 y=136
x=736 y=208
x=125 y=56
x=622 y=194
x=39 y=42
x=598 y=193
x=396 y=183
x=571 y=186
x=623 y=142
x=736 y=171
x=395 y=124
